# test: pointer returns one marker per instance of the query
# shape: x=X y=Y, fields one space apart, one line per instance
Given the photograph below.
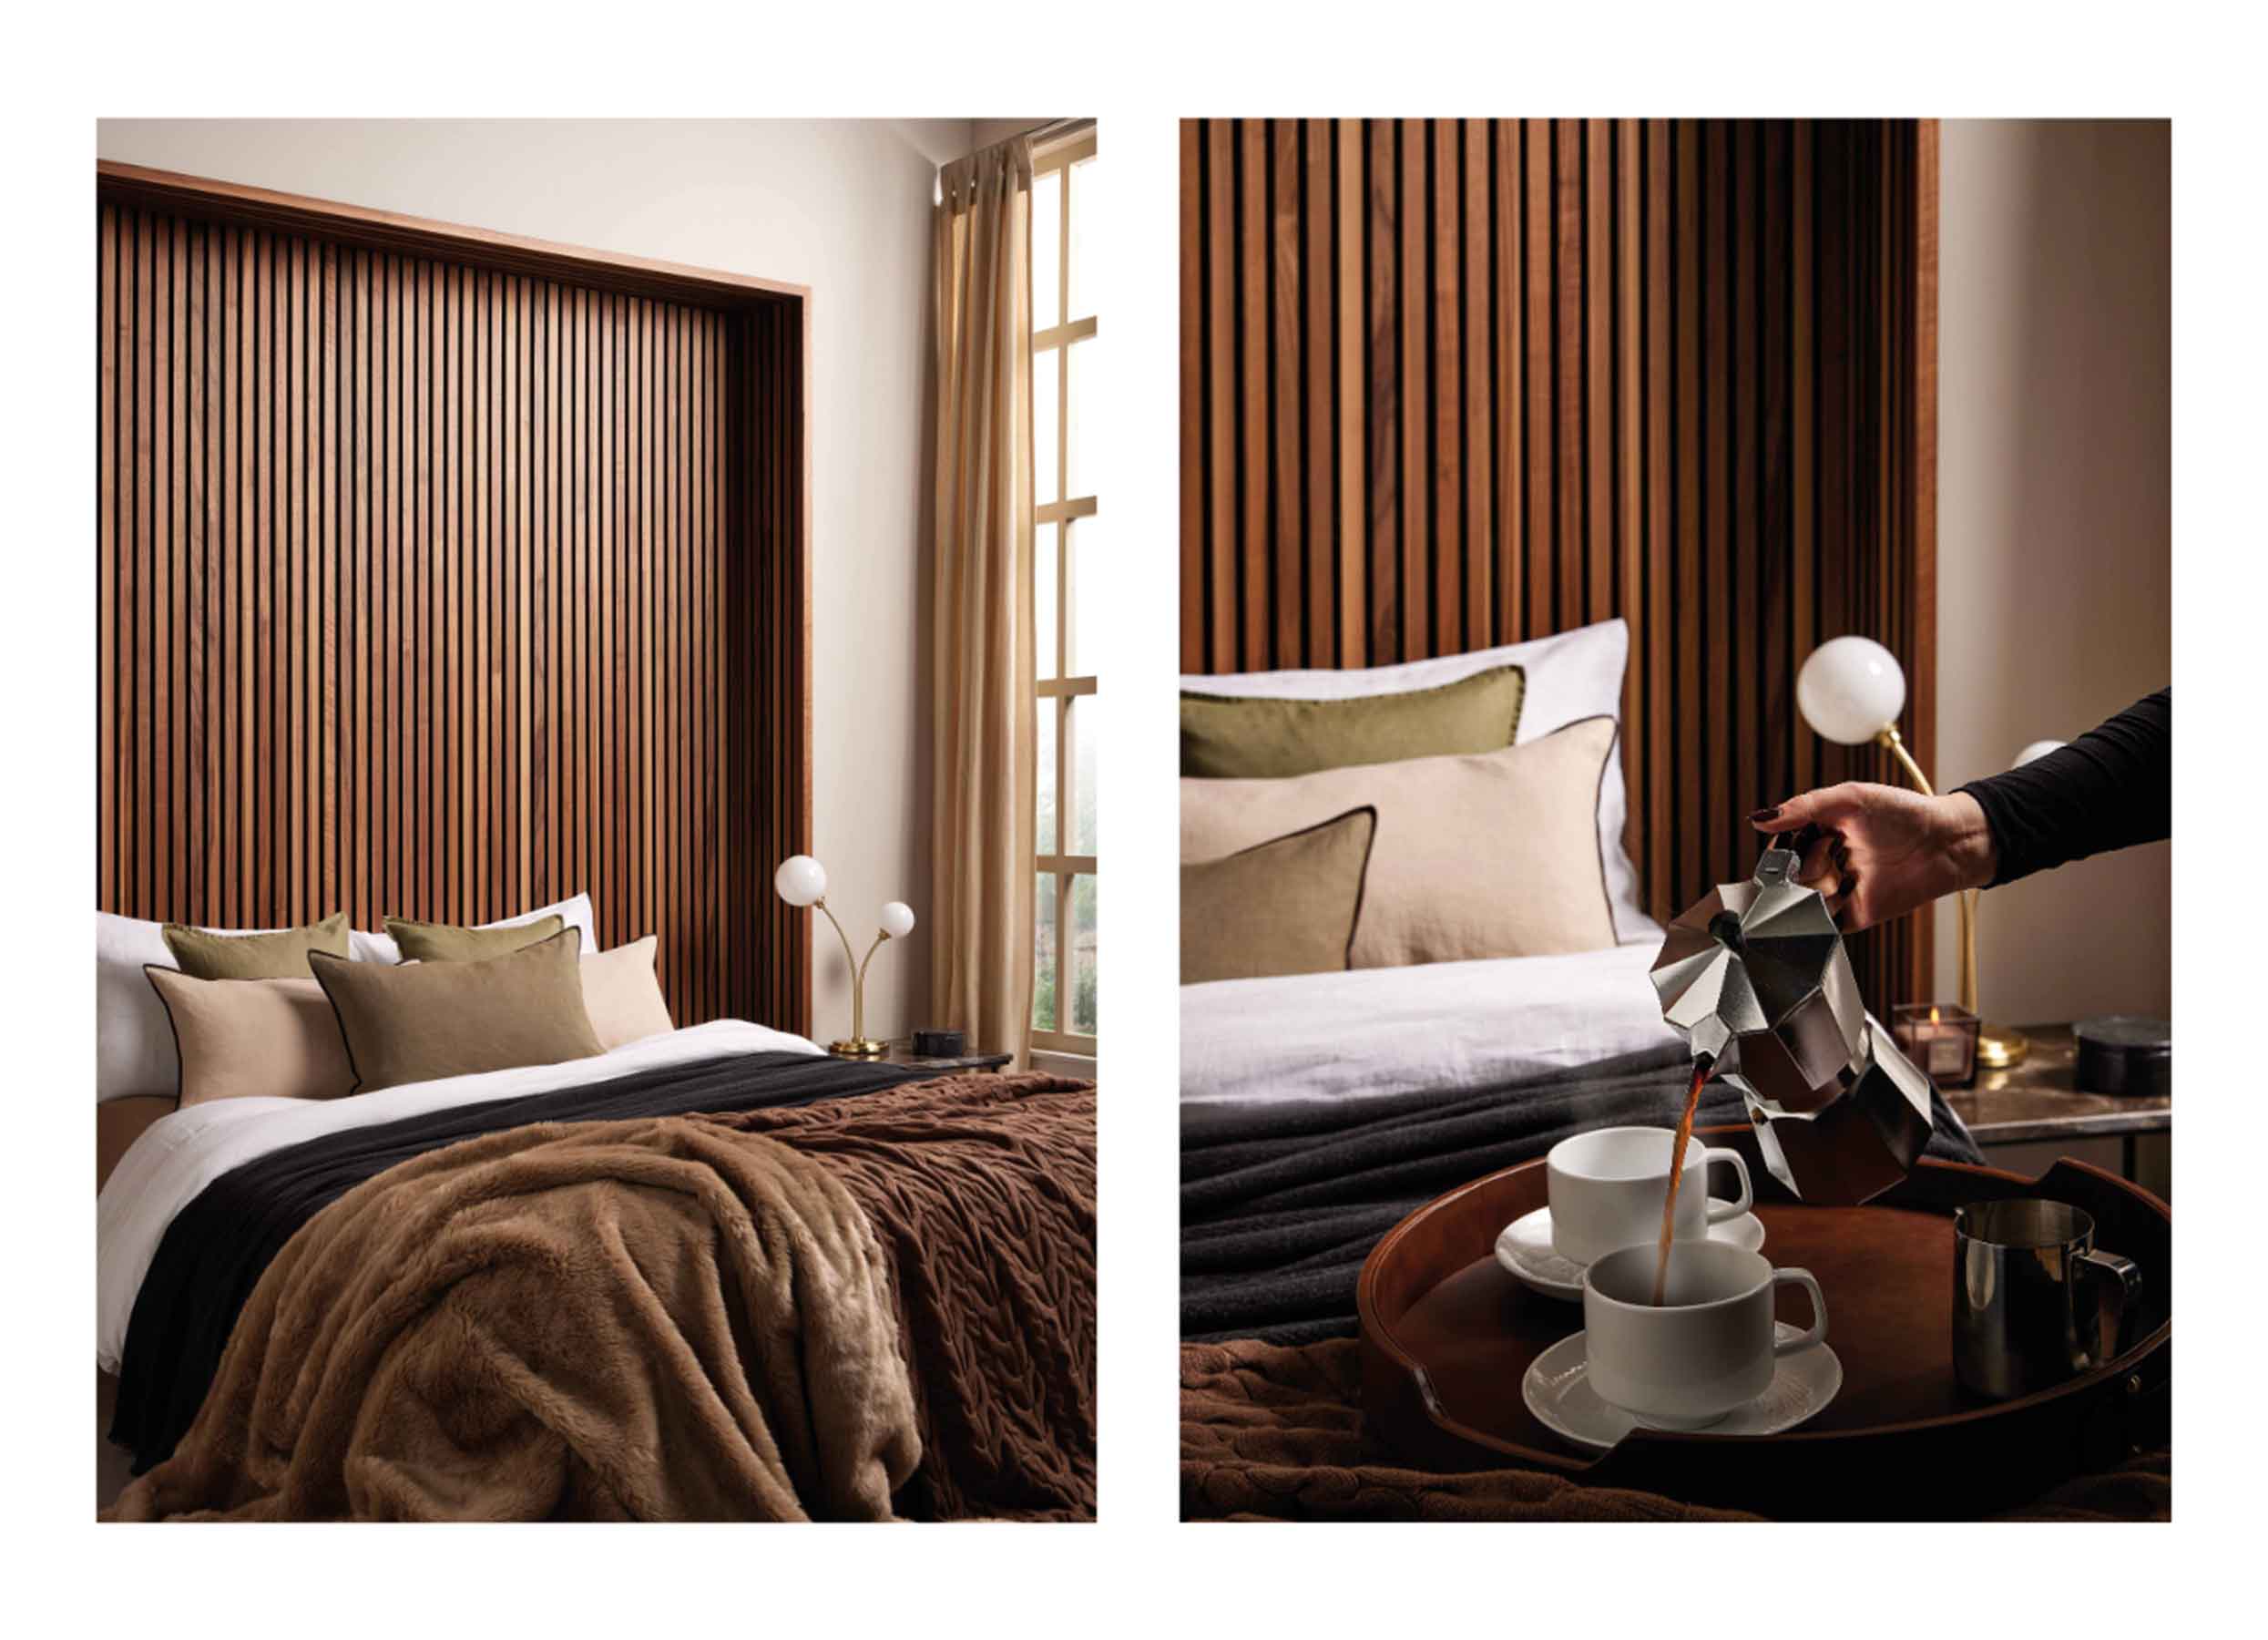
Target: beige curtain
x=984 y=714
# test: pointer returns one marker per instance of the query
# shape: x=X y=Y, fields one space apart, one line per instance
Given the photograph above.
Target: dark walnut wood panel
x=1453 y=384
x=443 y=585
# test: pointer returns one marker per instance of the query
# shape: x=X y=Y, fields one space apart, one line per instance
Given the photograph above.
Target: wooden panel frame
x=1683 y=371
x=443 y=568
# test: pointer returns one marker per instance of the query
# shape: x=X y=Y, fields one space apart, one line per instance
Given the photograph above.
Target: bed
x=866 y=1375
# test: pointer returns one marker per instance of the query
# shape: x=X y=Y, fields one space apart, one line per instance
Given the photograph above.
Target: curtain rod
x=1046 y=128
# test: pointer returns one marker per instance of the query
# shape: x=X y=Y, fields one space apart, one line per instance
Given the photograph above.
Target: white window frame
x=1051 y=350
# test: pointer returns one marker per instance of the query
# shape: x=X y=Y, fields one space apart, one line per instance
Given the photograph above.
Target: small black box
x=940 y=1044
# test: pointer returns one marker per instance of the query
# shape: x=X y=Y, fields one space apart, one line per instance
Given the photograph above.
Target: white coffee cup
x=1607 y=1187
x=1707 y=1351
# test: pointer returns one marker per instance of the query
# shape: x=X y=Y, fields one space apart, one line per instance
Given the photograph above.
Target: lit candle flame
x=1933 y=1013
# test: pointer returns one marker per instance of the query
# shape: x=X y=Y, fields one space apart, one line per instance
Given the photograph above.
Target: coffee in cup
x=1707 y=1349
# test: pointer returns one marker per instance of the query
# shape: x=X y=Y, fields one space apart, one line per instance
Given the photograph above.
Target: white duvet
x=1368 y=1033
x=181 y=1153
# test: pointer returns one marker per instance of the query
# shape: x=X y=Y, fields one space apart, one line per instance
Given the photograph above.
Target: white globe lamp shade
x=801 y=880
x=1851 y=690
x=897 y=919
x=2037 y=749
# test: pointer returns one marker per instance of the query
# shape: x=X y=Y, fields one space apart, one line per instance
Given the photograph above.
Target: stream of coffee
x=1701 y=1068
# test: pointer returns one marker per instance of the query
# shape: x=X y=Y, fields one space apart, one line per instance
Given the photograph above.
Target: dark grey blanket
x=1280 y=1208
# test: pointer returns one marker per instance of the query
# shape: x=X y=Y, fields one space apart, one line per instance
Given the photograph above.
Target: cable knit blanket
x=1275 y=1433
x=862 y=1309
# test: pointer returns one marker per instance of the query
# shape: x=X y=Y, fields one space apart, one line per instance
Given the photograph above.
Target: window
x=1067 y=543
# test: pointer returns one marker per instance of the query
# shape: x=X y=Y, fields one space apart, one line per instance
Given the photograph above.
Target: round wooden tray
x=1447 y=1335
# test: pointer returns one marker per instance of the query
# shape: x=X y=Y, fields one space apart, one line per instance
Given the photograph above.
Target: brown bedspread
x=1275 y=1433
x=687 y=1319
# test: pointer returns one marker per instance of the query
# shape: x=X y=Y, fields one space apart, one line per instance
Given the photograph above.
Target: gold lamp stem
x=1997 y=1047
x=859 y=1045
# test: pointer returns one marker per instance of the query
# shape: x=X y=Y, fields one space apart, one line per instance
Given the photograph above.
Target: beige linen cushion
x=622 y=996
x=422 y=1021
x=1284 y=906
x=1492 y=854
x=275 y=1038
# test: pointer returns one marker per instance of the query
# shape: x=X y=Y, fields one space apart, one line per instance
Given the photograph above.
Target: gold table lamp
x=803 y=881
x=1851 y=691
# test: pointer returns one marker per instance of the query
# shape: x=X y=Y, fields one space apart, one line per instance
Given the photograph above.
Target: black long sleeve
x=2110 y=788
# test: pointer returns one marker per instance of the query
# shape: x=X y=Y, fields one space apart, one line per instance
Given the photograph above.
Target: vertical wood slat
x=1677 y=371
x=406 y=609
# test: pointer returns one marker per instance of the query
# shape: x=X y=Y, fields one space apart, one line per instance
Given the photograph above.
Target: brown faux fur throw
x=1275 y=1433
x=681 y=1318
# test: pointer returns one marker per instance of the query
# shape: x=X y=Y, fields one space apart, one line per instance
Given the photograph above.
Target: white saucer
x=1558 y=1392
x=1524 y=1247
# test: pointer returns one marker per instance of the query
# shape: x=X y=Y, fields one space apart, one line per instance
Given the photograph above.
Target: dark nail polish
x=1762 y=815
x=1846 y=885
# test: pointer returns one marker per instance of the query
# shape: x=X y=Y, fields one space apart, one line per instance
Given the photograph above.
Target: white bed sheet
x=1369 y=1032
x=169 y=1165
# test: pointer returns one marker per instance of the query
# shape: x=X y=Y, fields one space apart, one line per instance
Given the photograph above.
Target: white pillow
x=134 y=1050
x=1568 y=676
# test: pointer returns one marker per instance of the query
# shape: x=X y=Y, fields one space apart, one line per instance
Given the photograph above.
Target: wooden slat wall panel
x=1460 y=383
x=436 y=590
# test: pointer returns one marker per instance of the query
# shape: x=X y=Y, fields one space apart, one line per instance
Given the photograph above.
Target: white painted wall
x=841 y=206
x=2055 y=537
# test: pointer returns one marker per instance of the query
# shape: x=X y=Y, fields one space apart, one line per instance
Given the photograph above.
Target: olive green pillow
x=1288 y=906
x=446 y=942
x=1226 y=737
x=421 y=1021
x=282 y=955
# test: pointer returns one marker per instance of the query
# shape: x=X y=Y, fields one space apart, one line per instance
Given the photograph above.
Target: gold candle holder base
x=858 y=1047
x=1999 y=1047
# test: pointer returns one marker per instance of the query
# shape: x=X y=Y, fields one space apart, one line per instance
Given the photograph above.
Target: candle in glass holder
x=1939 y=1037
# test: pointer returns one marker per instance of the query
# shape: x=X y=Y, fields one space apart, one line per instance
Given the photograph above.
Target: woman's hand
x=1883 y=851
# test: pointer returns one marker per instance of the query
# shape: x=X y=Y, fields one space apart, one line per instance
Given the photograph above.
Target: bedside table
x=901 y=1054
x=2028 y=1115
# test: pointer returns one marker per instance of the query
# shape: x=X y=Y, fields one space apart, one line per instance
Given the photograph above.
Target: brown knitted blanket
x=982 y=1190
x=679 y=1318
x=1275 y=1433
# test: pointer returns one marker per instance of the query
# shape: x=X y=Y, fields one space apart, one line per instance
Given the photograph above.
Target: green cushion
x=1231 y=738
x=1287 y=905
x=282 y=955
x=446 y=942
x=414 y=1023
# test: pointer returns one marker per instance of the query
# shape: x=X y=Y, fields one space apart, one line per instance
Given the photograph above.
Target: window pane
x=1084 y=608
x=1083 y=954
x=1045 y=563
x=1082 y=366
x=1043 y=969
x=1046 y=474
x=1047 y=716
x=1047 y=249
x=1082 y=213
x=1083 y=735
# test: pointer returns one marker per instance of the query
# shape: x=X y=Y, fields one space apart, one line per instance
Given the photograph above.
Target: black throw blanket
x=216 y=1249
x=1280 y=1208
